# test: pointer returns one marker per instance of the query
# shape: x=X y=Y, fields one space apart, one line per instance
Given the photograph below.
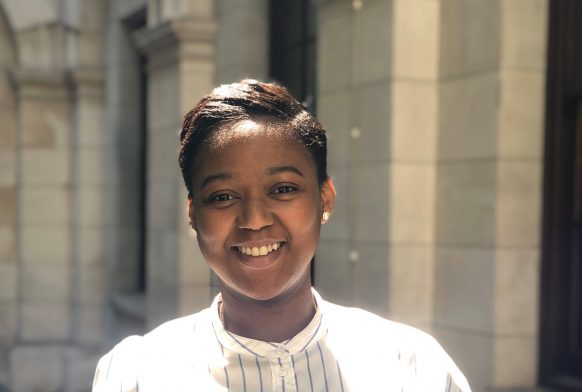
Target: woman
x=254 y=164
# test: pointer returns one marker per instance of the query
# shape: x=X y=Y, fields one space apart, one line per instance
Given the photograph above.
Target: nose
x=255 y=214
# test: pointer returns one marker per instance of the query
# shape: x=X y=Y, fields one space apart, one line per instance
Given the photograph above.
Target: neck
x=274 y=320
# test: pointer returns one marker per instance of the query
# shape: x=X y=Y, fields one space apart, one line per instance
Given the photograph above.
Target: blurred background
x=455 y=143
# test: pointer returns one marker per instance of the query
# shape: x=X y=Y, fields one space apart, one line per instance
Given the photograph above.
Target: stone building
x=438 y=114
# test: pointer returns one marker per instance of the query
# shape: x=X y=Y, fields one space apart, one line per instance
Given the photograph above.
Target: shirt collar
x=309 y=336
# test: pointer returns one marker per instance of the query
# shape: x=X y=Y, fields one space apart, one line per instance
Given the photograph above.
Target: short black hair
x=250 y=99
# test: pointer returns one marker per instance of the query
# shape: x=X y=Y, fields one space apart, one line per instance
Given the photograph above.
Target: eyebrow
x=283 y=169
x=270 y=171
x=215 y=177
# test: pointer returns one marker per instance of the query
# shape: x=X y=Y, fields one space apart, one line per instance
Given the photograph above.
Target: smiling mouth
x=256 y=251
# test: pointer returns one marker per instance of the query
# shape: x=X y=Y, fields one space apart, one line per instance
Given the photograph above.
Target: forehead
x=256 y=141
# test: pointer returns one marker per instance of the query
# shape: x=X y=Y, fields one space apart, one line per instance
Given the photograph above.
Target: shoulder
x=120 y=367
x=359 y=331
x=370 y=326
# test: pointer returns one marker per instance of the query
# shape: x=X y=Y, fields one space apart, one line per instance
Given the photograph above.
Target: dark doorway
x=292 y=48
x=561 y=285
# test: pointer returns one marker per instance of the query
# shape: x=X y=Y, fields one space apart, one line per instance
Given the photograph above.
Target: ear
x=327 y=196
x=191 y=214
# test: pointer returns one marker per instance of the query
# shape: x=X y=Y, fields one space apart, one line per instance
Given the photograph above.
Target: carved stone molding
x=34 y=83
x=177 y=40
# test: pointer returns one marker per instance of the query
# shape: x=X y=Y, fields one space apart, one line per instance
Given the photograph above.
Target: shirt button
x=280 y=351
x=282 y=371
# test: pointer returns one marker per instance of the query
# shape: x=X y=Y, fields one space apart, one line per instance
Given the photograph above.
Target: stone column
x=242 y=40
x=520 y=145
x=8 y=201
x=488 y=206
x=89 y=224
x=354 y=97
x=44 y=230
x=180 y=71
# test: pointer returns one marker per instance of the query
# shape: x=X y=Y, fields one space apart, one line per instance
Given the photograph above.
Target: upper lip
x=257 y=244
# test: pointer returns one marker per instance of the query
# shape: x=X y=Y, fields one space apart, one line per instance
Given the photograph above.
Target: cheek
x=211 y=229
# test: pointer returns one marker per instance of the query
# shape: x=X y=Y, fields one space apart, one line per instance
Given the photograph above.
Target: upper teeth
x=258 y=250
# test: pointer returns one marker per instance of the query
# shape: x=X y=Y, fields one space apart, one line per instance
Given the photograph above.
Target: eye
x=284 y=189
x=221 y=197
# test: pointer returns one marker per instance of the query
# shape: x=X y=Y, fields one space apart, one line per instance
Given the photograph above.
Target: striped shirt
x=342 y=349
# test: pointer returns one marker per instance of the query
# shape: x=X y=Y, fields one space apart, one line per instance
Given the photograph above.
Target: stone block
x=163 y=264
x=473 y=354
x=340 y=225
x=414 y=121
x=334 y=42
x=90 y=285
x=7 y=206
x=464 y=289
x=468 y=113
x=92 y=166
x=524 y=26
x=45 y=245
x=162 y=306
x=521 y=115
x=196 y=80
x=81 y=366
x=91 y=49
x=373 y=144
x=162 y=209
x=163 y=145
x=37 y=368
x=519 y=203
x=333 y=110
x=8 y=281
x=194 y=270
x=466 y=203
x=374 y=42
x=45 y=167
x=516 y=291
x=8 y=129
x=515 y=362
x=251 y=23
x=7 y=168
x=469 y=36
x=44 y=322
x=46 y=284
x=45 y=123
x=90 y=326
x=7 y=321
x=92 y=15
x=416 y=39
x=334 y=271
x=369 y=277
x=32 y=13
x=411 y=203
x=163 y=98
x=7 y=244
x=42 y=205
x=7 y=93
x=192 y=299
x=91 y=245
x=234 y=6
x=91 y=131
x=92 y=206
x=410 y=284
x=370 y=196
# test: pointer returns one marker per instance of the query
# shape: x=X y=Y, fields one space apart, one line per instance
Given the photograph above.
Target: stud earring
x=325 y=217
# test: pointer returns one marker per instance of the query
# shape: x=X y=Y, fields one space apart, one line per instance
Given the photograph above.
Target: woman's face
x=257 y=208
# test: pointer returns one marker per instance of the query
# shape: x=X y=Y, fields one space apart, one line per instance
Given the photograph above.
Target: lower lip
x=259 y=262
